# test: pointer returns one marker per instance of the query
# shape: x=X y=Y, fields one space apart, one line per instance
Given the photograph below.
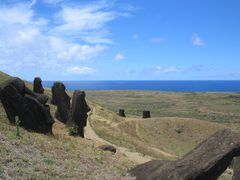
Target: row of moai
x=75 y=113
x=145 y=114
x=70 y=113
x=33 y=111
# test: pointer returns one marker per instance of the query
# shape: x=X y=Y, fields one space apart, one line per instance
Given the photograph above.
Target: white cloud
x=20 y=14
x=157 y=40
x=92 y=17
x=170 y=69
x=197 y=41
x=27 y=43
x=54 y=2
x=95 y=39
x=81 y=70
x=119 y=56
x=78 y=52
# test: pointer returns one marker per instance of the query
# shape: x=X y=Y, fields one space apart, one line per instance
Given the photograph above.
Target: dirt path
x=134 y=156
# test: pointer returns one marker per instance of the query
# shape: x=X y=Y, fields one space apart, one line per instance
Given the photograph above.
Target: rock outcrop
x=37 y=85
x=207 y=161
x=30 y=107
x=79 y=111
x=108 y=148
x=62 y=100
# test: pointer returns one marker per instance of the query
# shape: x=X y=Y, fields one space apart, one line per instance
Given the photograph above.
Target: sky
x=120 y=39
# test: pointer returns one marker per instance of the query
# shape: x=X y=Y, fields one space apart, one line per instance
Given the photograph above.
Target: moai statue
x=121 y=113
x=62 y=100
x=80 y=109
x=37 y=85
x=146 y=114
x=30 y=107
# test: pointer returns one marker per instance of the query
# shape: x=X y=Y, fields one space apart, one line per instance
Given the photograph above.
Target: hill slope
x=165 y=137
x=38 y=156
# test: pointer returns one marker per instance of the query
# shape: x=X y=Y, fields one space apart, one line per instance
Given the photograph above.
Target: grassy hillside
x=37 y=156
x=177 y=124
x=4 y=76
x=164 y=138
x=217 y=107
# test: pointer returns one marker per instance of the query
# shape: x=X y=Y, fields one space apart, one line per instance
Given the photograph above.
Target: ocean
x=172 y=86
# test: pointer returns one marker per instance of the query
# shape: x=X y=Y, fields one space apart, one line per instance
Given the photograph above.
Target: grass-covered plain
x=218 y=107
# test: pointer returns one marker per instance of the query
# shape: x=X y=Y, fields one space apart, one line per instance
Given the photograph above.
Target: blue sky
x=120 y=39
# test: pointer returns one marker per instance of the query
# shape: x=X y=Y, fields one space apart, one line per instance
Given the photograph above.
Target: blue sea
x=172 y=86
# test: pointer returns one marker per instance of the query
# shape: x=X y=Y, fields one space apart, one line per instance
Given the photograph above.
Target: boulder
x=207 y=161
x=146 y=114
x=30 y=107
x=37 y=85
x=62 y=100
x=108 y=148
x=121 y=113
x=79 y=111
x=236 y=168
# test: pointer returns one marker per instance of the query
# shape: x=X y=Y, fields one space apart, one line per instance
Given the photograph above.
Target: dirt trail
x=134 y=156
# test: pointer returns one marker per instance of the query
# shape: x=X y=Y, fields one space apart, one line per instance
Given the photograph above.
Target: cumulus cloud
x=81 y=70
x=19 y=14
x=197 y=41
x=119 y=56
x=29 y=42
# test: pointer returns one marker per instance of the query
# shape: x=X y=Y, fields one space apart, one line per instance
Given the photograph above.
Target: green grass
x=217 y=107
x=40 y=156
x=142 y=135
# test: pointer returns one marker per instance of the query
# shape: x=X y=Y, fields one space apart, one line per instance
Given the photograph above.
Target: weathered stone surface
x=121 y=113
x=30 y=107
x=79 y=111
x=37 y=85
x=205 y=162
x=62 y=100
x=108 y=148
x=146 y=114
x=236 y=168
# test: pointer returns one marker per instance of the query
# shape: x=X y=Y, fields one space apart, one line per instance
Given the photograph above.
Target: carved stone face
x=80 y=107
x=37 y=85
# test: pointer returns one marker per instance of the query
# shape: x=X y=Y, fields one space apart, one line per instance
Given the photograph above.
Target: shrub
x=72 y=131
